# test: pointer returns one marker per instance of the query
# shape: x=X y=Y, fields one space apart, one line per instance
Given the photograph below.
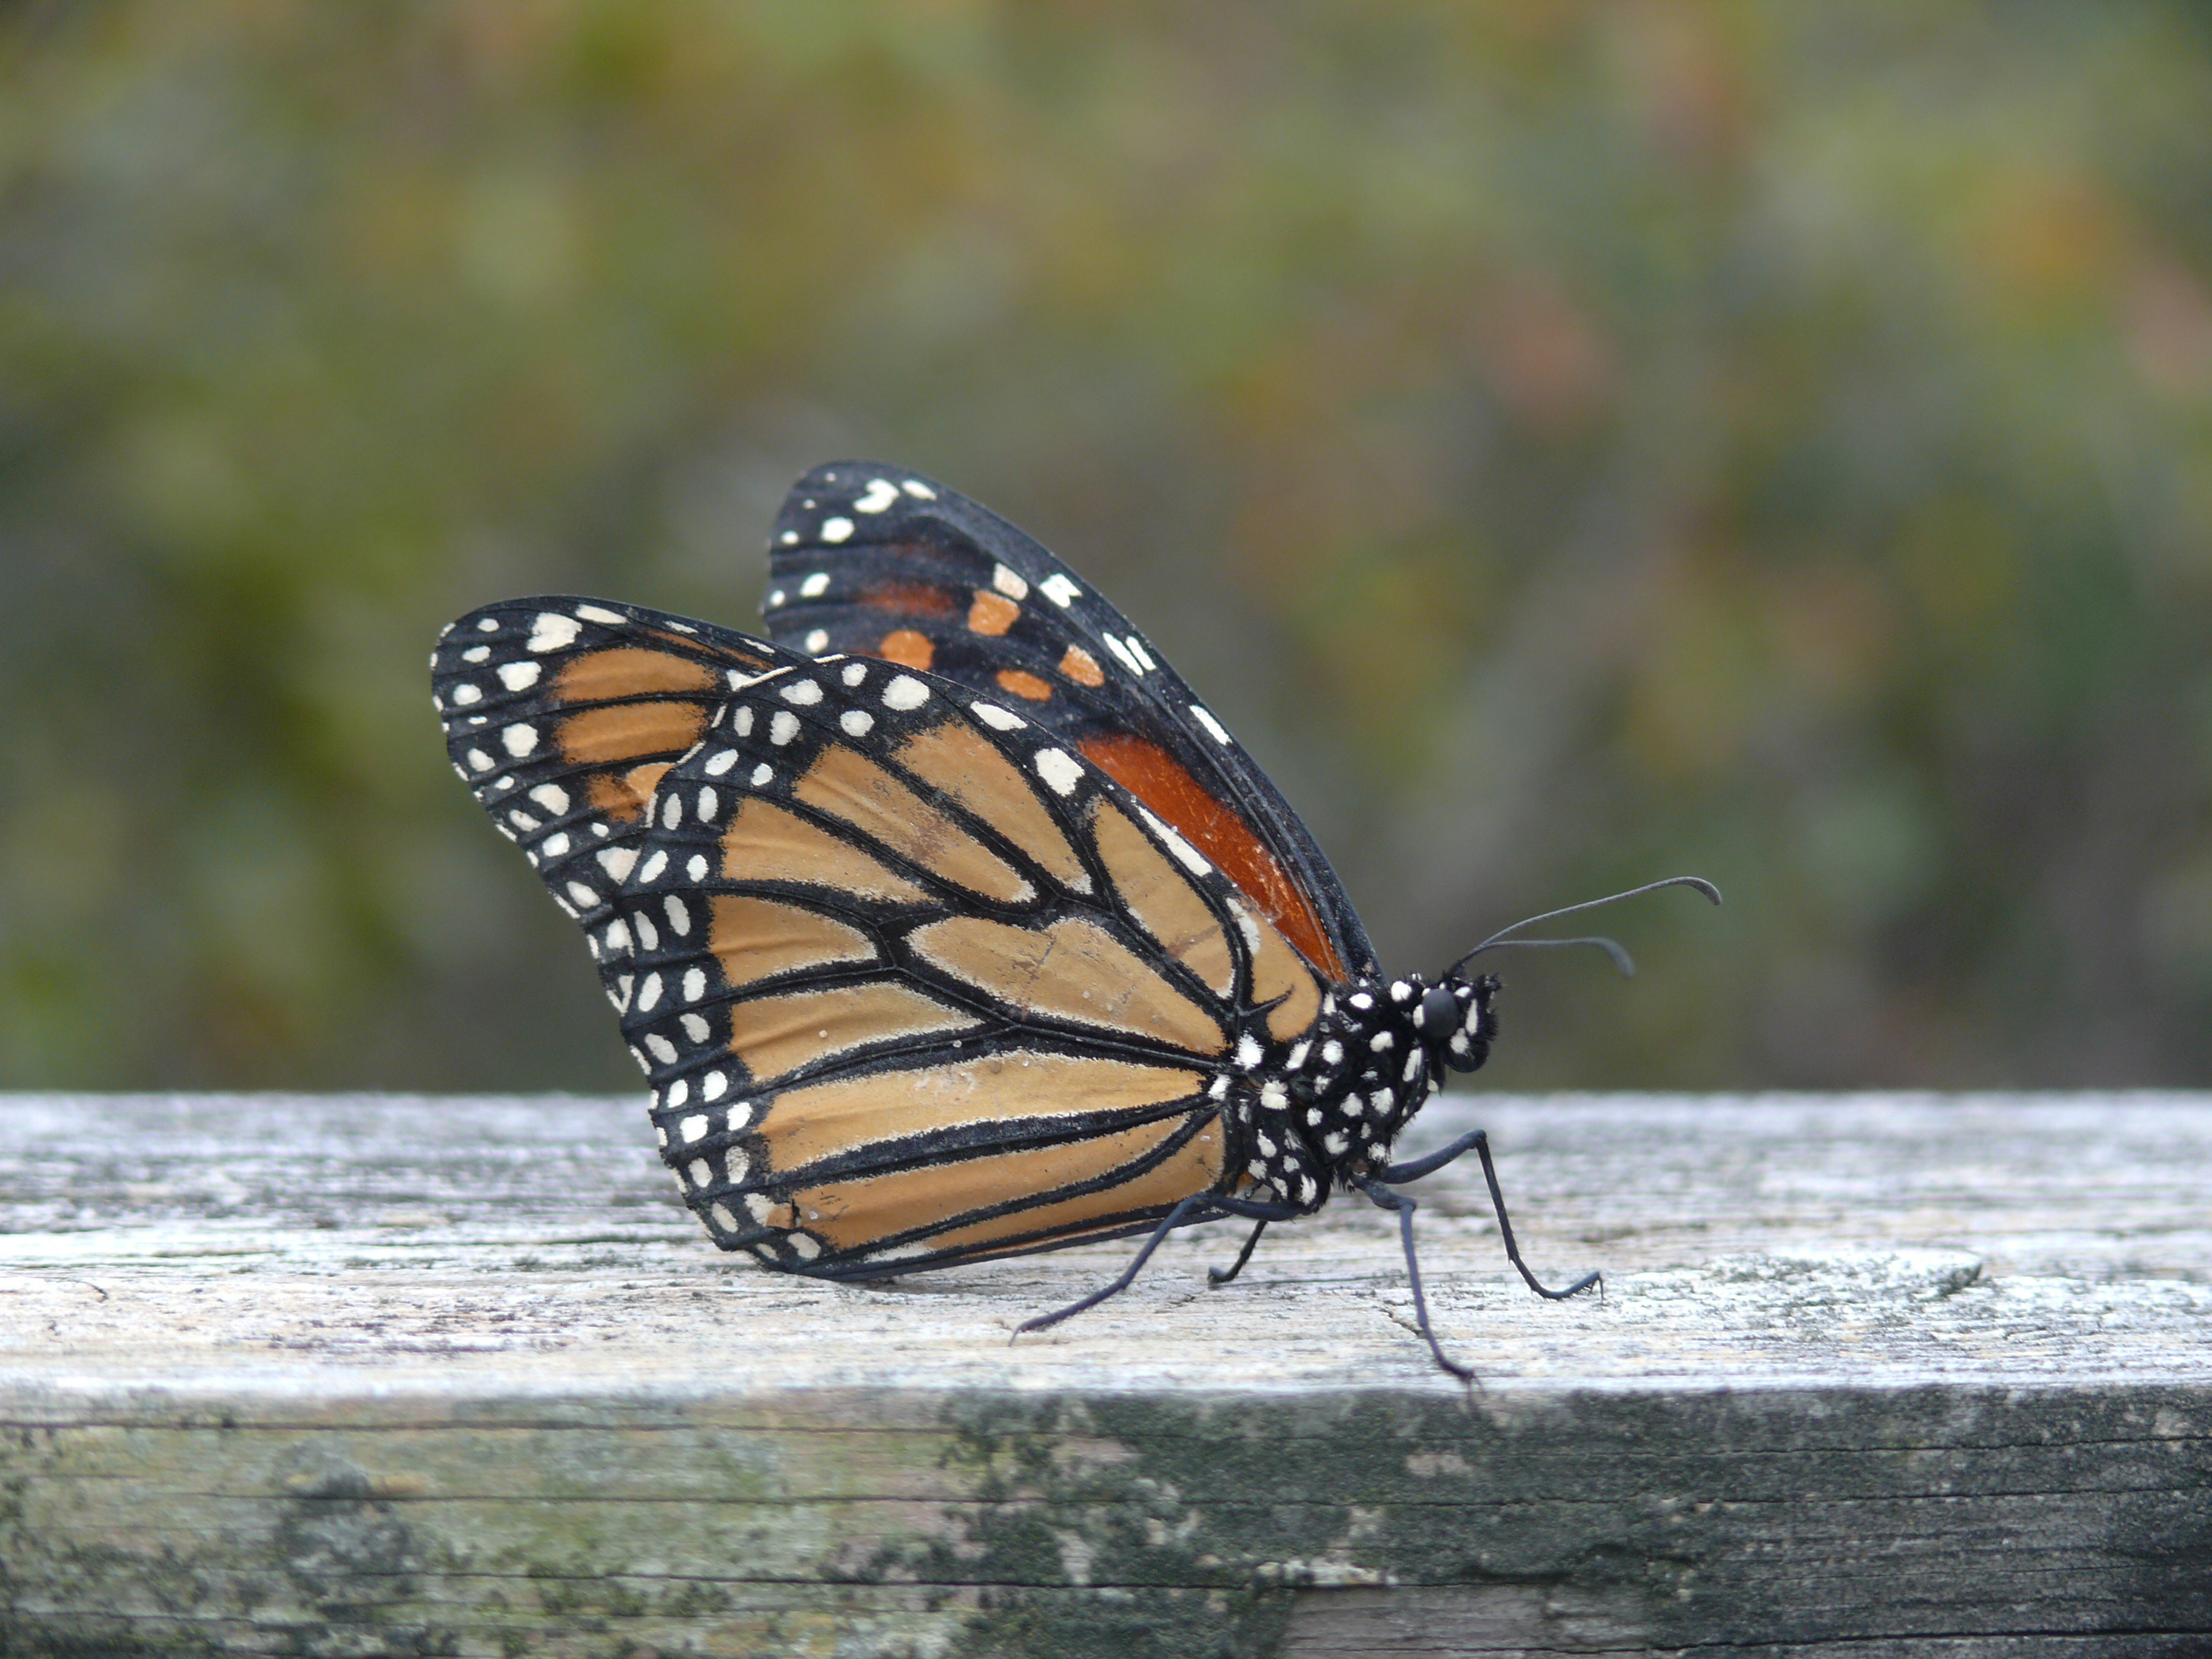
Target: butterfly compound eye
x=1439 y=1014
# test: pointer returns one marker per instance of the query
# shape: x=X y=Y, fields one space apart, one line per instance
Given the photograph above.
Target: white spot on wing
x=878 y=496
x=464 y=694
x=919 y=490
x=1058 y=768
x=518 y=740
x=856 y=722
x=836 y=530
x=905 y=692
x=616 y=861
x=598 y=613
x=817 y=584
x=1059 y=589
x=721 y=762
x=817 y=640
x=552 y=631
x=996 y=718
x=783 y=727
x=1191 y=859
x=802 y=692
x=1010 y=583
x=551 y=796
x=1213 y=725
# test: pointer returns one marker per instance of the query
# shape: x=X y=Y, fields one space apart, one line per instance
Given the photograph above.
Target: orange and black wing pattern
x=915 y=981
x=873 y=560
x=562 y=714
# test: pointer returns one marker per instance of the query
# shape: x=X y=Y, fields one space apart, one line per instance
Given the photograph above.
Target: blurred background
x=1569 y=443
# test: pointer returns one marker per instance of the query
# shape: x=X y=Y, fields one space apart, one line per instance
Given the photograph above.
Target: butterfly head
x=1454 y=1022
x=1377 y=1050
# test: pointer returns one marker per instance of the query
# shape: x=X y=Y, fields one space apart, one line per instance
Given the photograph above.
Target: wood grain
x=1871 y=1375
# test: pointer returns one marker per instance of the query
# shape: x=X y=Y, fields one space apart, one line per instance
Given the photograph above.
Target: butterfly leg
x=1478 y=1143
x=1176 y=1217
x=1384 y=1199
x=1222 y=1275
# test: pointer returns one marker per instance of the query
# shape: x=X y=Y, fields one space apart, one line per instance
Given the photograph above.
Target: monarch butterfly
x=946 y=922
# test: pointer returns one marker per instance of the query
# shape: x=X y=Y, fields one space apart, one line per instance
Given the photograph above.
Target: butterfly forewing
x=875 y=560
x=913 y=983
x=563 y=715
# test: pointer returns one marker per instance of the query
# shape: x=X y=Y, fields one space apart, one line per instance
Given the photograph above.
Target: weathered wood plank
x=1872 y=1375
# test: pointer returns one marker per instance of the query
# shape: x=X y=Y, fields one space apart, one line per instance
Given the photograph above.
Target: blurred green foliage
x=1572 y=443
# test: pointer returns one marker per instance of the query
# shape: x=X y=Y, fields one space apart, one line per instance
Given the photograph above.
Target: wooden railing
x=1872 y=1375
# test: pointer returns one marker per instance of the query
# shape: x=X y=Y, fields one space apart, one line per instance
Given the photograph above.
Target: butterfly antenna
x=1502 y=938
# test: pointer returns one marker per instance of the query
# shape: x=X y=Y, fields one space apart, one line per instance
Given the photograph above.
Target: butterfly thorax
x=1374 y=1053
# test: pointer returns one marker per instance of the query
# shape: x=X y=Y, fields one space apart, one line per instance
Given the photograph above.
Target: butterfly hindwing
x=873 y=560
x=913 y=983
x=562 y=714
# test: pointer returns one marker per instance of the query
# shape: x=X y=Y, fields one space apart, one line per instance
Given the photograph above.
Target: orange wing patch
x=808 y=1125
x=1157 y=779
x=626 y=731
x=757 y=939
x=1277 y=972
x=1194 y=1167
x=1073 y=970
x=597 y=676
x=1163 y=902
x=915 y=598
x=846 y=784
x=1023 y=685
x=992 y=613
x=630 y=732
x=907 y=648
x=953 y=758
x=1081 y=666
x=768 y=843
x=852 y=1214
x=622 y=797
x=776 y=1035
